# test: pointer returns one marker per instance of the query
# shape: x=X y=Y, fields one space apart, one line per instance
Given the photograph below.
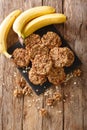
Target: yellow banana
x=28 y=15
x=42 y=21
x=4 y=30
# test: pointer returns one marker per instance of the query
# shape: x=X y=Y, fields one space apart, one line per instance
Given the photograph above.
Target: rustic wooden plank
x=75 y=34
x=31 y=3
x=55 y=113
x=73 y=116
x=1 y=91
x=32 y=120
x=1 y=76
x=84 y=82
x=54 y=120
x=17 y=104
x=11 y=108
x=58 y=5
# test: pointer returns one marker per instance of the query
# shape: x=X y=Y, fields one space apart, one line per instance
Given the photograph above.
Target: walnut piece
x=77 y=72
x=50 y=101
x=27 y=90
x=57 y=96
x=18 y=93
x=43 y=112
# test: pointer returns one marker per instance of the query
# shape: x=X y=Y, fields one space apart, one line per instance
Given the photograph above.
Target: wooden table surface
x=15 y=113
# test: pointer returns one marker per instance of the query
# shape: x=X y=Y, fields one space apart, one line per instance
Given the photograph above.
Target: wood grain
x=31 y=117
x=11 y=109
x=55 y=118
x=75 y=34
x=23 y=113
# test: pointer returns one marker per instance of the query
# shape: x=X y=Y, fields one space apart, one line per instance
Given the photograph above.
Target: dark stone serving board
x=41 y=88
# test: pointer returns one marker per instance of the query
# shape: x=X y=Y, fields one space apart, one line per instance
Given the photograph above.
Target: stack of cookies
x=47 y=56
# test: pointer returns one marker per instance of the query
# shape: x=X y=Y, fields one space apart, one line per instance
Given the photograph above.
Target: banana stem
x=21 y=40
x=7 y=55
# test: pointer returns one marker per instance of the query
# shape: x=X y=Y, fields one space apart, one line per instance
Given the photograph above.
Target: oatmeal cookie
x=38 y=49
x=42 y=64
x=56 y=76
x=21 y=57
x=32 y=40
x=51 y=39
x=62 y=56
x=35 y=78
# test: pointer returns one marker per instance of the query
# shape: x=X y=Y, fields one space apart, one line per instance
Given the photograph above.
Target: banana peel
x=28 y=15
x=42 y=21
x=4 y=30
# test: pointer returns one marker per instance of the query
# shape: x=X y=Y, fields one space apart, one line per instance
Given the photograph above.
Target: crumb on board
x=77 y=72
x=27 y=90
x=50 y=101
x=75 y=83
x=18 y=93
x=22 y=88
x=43 y=112
x=57 y=96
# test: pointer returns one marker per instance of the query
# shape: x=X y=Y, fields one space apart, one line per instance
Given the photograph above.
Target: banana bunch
x=42 y=21
x=28 y=15
x=4 y=30
x=25 y=23
x=35 y=18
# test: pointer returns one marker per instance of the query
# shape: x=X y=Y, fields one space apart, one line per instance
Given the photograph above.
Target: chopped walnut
x=57 y=96
x=50 y=101
x=77 y=72
x=27 y=90
x=43 y=112
x=18 y=93
x=20 y=81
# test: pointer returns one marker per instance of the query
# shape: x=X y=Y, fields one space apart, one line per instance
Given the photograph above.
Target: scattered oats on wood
x=59 y=112
x=3 y=84
x=15 y=74
x=66 y=95
x=74 y=82
x=52 y=107
x=29 y=105
x=50 y=101
x=38 y=108
x=64 y=100
x=33 y=100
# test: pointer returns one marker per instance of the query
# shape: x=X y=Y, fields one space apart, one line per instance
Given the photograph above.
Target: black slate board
x=37 y=88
